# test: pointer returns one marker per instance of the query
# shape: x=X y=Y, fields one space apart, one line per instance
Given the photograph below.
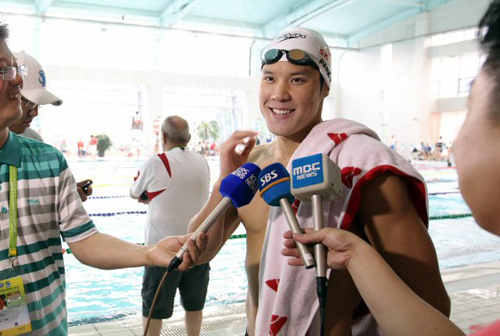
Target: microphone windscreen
x=316 y=175
x=241 y=185
x=274 y=184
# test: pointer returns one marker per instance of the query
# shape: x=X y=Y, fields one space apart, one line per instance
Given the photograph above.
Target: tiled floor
x=474 y=292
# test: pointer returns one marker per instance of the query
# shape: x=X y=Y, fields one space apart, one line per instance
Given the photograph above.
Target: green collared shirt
x=48 y=207
x=11 y=151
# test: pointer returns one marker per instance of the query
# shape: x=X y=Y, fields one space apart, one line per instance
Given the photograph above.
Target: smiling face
x=291 y=100
x=477 y=153
x=10 y=91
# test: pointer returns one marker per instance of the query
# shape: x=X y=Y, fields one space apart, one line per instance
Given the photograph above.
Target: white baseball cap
x=35 y=82
x=306 y=40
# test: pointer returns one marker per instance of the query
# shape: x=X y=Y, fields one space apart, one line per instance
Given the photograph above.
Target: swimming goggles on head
x=294 y=56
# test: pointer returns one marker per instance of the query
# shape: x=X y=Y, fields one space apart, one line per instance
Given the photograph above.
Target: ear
x=325 y=91
x=189 y=138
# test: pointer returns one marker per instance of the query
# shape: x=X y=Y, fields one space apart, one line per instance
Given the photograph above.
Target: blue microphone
x=274 y=186
x=315 y=178
x=237 y=189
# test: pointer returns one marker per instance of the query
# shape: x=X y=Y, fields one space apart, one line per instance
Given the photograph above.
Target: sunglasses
x=29 y=104
x=294 y=56
x=10 y=72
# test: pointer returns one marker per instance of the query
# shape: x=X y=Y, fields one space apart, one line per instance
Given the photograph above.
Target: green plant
x=209 y=130
x=103 y=144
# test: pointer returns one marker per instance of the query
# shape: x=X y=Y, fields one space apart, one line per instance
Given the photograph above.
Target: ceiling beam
x=42 y=6
x=406 y=3
x=176 y=11
x=301 y=15
x=431 y=4
x=388 y=22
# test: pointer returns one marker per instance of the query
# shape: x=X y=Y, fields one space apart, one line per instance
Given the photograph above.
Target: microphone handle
x=207 y=223
x=319 y=249
x=305 y=254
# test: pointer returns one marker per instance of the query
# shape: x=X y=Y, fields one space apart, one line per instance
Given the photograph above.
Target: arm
x=396 y=231
x=230 y=159
x=107 y=252
x=144 y=180
x=221 y=230
x=396 y=308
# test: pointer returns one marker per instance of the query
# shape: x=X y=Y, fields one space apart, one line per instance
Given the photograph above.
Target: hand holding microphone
x=237 y=189
x=274 y=186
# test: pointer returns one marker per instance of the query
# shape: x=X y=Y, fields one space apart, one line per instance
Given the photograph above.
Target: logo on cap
x=42 y=78
x=324 y=53
x=289 y=36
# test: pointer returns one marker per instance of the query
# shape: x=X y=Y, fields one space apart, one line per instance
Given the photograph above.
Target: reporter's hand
x=83 y=195
x=341 y=246
x=230 y=157
x=165 y=250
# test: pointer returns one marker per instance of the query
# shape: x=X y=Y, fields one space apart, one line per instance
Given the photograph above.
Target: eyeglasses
x=294 y=56
x=30 y=106
x=10 y=72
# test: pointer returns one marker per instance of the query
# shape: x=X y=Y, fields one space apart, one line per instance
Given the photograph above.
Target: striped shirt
x=48 y=207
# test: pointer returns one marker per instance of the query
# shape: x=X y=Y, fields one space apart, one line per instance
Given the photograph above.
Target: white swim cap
x=306 y=40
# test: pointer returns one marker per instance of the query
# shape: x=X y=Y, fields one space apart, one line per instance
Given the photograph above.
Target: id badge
x=14 y=315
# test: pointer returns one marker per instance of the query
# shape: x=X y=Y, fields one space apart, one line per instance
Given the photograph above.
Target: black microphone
x=237 y=189
x=274 y=186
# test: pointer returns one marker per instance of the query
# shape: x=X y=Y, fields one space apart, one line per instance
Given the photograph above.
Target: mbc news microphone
x=317 y=178
x=237 y=189
x=274 y=186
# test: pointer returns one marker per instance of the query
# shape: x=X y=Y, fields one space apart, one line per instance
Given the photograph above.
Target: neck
x=285 y=148
x=4 y=135
x=169 y=146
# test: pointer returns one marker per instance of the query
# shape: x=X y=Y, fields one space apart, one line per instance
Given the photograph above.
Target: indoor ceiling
x=342 y=22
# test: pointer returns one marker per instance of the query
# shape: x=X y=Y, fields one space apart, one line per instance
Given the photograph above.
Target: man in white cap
x=35 y=93
x=384 y=200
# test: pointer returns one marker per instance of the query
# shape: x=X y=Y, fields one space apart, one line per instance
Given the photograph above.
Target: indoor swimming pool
x=94 y=295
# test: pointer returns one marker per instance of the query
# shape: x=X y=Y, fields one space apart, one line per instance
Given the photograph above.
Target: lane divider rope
x=239 y=236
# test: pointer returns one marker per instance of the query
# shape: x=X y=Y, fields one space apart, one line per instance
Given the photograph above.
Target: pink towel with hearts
x=288 y=304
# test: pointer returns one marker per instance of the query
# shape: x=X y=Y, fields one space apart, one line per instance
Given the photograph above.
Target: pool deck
x=474 y=291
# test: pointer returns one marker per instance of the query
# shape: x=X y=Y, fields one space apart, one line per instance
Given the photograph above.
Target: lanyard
x=13 y=212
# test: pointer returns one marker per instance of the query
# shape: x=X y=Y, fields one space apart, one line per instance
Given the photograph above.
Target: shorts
x=192 y=285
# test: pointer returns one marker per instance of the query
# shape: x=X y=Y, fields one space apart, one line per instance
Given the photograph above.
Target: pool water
x=96 y=295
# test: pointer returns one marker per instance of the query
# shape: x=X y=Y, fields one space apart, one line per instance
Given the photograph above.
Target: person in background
x=397 y=309
x=34 y=94
x=80 y=145
x=47 y=208
x=175 y=184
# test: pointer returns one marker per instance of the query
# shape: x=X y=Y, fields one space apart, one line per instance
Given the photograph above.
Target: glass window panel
x=435 y=69
x=448 y=89
x=469 y=66
x=449 y=68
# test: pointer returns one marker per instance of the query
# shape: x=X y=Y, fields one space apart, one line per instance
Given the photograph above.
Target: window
x=451 y=76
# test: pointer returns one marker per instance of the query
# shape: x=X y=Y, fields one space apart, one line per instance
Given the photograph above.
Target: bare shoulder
x=262 y=153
